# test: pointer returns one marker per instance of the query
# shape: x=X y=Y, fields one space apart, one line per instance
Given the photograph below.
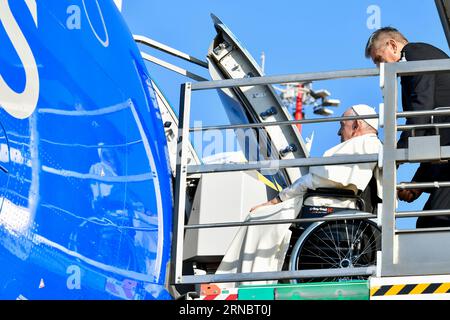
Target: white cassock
x=263 y=248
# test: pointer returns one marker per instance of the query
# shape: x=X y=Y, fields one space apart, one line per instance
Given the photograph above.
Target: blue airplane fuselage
x=85 y=186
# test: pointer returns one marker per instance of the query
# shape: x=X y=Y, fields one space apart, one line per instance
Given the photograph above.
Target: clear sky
x=296 y=36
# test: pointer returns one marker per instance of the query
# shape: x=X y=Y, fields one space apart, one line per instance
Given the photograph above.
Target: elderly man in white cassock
x=263 y=248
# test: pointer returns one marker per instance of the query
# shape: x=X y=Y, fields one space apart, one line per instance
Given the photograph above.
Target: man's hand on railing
x=268 y=203
x=409 y=195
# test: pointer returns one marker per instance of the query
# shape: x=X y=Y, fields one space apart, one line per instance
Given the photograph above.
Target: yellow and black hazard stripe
x=410 y=289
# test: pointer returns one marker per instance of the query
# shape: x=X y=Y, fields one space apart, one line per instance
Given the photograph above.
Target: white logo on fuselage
x=20 y=104
x=74 y=21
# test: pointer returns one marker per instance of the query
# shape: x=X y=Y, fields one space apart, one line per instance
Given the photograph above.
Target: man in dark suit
x=419 y=92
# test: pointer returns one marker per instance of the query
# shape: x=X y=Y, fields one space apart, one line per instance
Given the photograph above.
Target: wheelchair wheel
x=336 y=244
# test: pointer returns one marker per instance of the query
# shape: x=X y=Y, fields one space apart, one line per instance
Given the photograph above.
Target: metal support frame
x=334 y=119
x=410 y=252
x=270 y=164
x=390 y=158
x=304 y=77
x=423 y=185
x=180 y=184
x=283 y=123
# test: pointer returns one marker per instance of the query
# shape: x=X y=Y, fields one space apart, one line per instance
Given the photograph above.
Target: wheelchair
x=335 y=244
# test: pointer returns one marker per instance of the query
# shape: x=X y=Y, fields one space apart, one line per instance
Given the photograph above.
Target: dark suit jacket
x=427 y=92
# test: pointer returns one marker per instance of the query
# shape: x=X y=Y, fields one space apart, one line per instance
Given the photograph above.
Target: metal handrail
x=423 y=126
x=335 y=217
x=320 y=120
x=423 y=185
x=422 y=213
x=397 y=255
x=282 y=123
x=280 y=275
x=305 y=77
